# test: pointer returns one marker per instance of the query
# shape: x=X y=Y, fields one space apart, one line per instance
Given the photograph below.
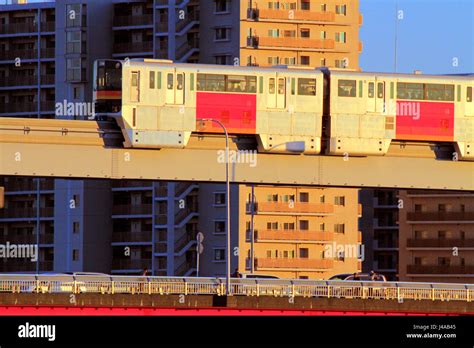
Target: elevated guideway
x=87 y=149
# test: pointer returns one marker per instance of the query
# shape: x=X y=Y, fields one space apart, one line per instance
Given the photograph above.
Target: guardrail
x=400 y=291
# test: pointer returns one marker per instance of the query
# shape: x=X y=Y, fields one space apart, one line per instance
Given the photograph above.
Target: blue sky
x=431 y=34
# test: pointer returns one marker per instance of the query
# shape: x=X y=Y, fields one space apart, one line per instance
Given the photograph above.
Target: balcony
x=293 y=16
x=124 y=264
x=133 y=21
x=185 y=49
x=27 y=185
x=290 y=43
x=440 y=216
x=136 y=47
x=183 y=241
x=132 y=237
x=440 y=243
x=16 y=81
x=17 y=28
x=385 y=244
x=25 y=213
x=48 y=106
x=22 y=54
x=142 y=209
x=23 y=238
x=48 y=52
x=188 y=19
x=11 y=108
x=440 y=269
x=132 y=184
x=291 y=236
x=48 y=26
x=300 y=263
x=292 y=208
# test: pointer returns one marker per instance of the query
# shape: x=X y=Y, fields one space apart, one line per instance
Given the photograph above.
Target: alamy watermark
x=19 y=251
x=74 y=109
x=239 y=156
x=346 y=251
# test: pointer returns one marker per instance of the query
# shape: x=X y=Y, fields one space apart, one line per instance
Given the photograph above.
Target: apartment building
x=124 y=227
x=379 y=226
x=436 y=236
x=266 y=33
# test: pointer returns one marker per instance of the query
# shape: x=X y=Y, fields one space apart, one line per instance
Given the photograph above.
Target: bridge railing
x=97 y=284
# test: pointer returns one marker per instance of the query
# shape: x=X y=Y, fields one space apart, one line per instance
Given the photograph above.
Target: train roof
x=301 y=69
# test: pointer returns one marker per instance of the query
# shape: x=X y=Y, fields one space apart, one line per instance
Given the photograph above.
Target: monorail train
x=159 y=104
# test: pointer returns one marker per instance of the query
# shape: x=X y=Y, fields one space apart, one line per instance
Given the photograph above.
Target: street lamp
x=227 y=197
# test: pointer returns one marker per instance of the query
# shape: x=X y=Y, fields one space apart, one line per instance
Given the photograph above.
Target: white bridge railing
x=400 y=291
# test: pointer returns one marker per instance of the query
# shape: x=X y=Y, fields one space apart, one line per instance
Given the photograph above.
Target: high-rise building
x=379 y=226
x=46 y=57
x=436 y=236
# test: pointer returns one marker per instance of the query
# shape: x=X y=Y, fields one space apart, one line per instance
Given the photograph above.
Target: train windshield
x=109 y=76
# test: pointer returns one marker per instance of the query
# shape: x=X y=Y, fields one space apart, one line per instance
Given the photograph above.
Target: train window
x=260 y=83
x=346 y=88
x=159 y=80
x=371 y=90
x=179 y=82
x=170 y=81
x=459 y=93
x=391 y=90
x=439 y=92
x=360 y=88
x=134 y=79
x=281 y=86
x=409 y=90
x=227 y=83
x=293 y=86
x=271 y=86
x=469 y=94
x=192 y=82
x=307 y=86
x=380 y=90
x=152 y=79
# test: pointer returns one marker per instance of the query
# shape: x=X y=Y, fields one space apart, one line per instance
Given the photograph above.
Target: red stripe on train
x=237 y=112
x=430 y=121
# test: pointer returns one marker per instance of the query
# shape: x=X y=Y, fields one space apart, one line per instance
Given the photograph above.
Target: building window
x=340 y=63
x=304 y=197
x=340 y=200
x=418 y=208
x=289 y=226
x=324 y=7
x=305 y=5
x=341 y=37
x=340 y=256
x=323 y=62
x=273 y=32
x=444 y=261
x=222 y=34
x=304 y=225
x=75 y=255
x=73 y=42
x=339 y=228
x=75 y=227
x=341 y=10
x=219 y=199
x=73 y=15
x=221 y=60
x=322 y=226
x=322 y=35
x=290 y=60
x=74 y=69
x=219 y=255
x=222 y=6
x=304 y=33
x=76 y=93
x=304 y=253
x=288 y=198
x=272 y=225
x=219 y=227
x=75 y=198
x=273 y=60
x=442 y=208
x=272 y=198
x=304 y=60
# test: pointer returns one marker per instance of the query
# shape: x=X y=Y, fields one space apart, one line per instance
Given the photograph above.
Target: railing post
x=185 y=287
x=74 y=287
x=432 y=294
x=113 y=287
x=258 y=289
x=329 y=291
x=38 y=286
x=468 y=297
x=149 y=288
x=398 y=293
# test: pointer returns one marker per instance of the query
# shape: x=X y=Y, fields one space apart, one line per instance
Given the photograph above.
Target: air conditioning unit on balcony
x=252 y=41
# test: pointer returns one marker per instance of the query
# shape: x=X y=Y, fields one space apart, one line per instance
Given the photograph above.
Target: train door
x=271 y=94
x=135 y=87
x=371 y=96
x=175 y=87
x=380 y=97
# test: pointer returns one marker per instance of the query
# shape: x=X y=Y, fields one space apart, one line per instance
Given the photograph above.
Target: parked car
x=369 y=277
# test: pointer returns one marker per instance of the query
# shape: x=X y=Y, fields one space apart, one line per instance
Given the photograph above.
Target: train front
x=107 y=94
